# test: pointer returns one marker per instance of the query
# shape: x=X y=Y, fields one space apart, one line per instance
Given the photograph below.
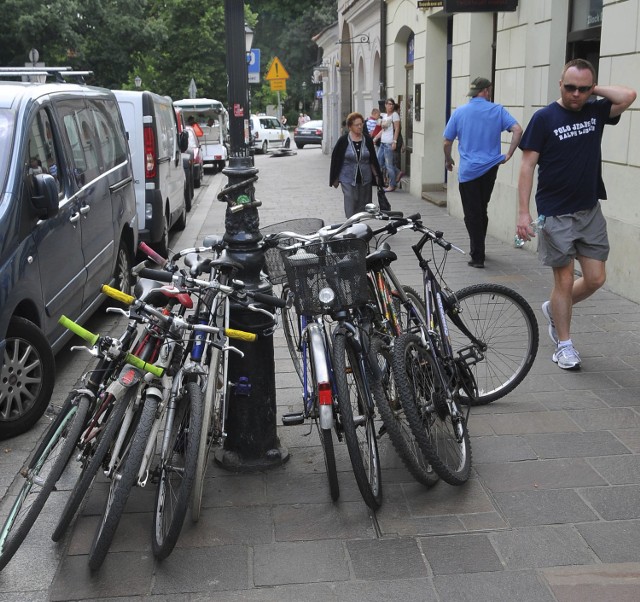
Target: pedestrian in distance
x=564 y=140
x=373 y=122
x=388 y=136
x=354 y=166
x=478 y=126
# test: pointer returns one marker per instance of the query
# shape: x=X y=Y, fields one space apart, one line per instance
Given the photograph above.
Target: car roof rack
x=59 y=73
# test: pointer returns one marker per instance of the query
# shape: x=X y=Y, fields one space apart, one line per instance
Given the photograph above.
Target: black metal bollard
x=252 y=442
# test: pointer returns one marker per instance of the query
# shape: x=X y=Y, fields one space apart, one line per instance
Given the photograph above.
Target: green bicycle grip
x=77 y=329
x=138 y=363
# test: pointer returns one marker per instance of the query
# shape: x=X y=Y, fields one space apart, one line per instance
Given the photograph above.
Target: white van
x=212 y=121
x=267 y=133
x=156 y=155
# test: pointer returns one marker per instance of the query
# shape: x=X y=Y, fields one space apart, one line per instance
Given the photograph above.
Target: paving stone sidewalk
x=551 y=512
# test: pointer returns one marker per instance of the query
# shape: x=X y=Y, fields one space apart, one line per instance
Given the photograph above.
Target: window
x=41 y=156
x=81 y=135
x=110 y=140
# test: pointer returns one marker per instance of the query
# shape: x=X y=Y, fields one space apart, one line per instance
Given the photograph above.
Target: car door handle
x=85 y=209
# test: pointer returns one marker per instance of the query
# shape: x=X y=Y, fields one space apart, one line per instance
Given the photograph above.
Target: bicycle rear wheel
x=442 y=437
x=391 y=407
x=357 y=420
x=41 y=474
x=291 y=327
x=312 y=401
x=91 y=460
x=505 y=323
x=123 y=479
x=177 y=472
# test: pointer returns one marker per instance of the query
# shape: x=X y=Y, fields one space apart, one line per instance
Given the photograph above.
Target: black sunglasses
x=572 y=88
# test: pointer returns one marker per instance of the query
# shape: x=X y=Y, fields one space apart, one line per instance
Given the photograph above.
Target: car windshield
x=7 y=119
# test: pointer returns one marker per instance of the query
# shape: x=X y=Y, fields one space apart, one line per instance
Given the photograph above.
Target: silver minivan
x=156 y=155
x=267 y=133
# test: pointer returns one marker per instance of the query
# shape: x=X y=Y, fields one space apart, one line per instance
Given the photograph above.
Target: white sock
x=566 y=343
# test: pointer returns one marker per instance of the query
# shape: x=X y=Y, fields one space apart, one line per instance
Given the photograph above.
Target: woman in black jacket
x=354 y=166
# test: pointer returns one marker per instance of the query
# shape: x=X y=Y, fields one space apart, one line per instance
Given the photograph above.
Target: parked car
x=156 y=156
x=187 y=164
x=197 y=160
x=68 y=224
x=267 y=133
x=212 y=120
x=309 y=133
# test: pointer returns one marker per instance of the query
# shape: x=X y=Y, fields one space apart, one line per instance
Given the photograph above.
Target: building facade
x=425 y=58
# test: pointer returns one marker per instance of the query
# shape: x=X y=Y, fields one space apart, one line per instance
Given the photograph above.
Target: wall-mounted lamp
x=137 y=80
x=362 y=38
x=248 y=38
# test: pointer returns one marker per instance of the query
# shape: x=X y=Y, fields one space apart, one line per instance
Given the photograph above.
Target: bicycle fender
x=326 y=417
x=318 y=353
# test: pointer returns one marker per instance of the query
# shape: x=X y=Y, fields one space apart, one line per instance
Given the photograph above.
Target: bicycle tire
x=122 y=481
x=506 y=323
x=359 y=433
x=177 y=473
x=45 y=467
x=391 y=408
x=326 y=437
x=291 y=327
x=210 y=426
x=444 y=441
x=92 y=463
x=407 y=323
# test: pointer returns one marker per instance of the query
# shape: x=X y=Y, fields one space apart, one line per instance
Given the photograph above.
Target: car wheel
x=197 y=178
x=265 y=147
x=26 y=378
x=123 y=280
x=162 y=246
x=188 y=189
x=181 y=222
x=287 y=143
x=299 y=145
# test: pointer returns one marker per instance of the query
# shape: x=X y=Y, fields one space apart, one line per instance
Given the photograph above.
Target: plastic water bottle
x=536 y=226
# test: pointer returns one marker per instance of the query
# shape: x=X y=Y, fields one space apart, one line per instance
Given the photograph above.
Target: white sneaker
x=567 y=358
x=546 y=312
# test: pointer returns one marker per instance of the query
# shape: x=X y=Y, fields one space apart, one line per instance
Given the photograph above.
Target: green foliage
x=166 y=42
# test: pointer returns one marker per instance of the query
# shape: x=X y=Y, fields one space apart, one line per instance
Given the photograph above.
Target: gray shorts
x=566 y=236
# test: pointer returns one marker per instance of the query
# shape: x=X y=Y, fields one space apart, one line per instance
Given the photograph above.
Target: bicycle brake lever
x=234 y=349
x=117 y=310
x=91 y=351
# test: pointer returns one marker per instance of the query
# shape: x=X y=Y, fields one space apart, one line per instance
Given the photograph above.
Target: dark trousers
x=476 y=195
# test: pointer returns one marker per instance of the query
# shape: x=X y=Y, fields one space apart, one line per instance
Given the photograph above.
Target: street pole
x=252 y=442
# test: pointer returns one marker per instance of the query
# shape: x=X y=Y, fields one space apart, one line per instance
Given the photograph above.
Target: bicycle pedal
x=293 y=419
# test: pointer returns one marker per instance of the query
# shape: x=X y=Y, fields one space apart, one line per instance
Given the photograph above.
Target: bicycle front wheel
x=391 y=407
x=442 y=435
x=291 y=327
x=123 y=479
x=356 y=415
x=41 y=474
x=177 y=472
x=211 y=425
x=91 y=461
x=506 y=326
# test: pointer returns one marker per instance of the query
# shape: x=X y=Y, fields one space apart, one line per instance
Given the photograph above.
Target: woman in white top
x=388 y=141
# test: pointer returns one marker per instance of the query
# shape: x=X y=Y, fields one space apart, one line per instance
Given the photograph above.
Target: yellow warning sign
x=278 y=85
x=277 y=70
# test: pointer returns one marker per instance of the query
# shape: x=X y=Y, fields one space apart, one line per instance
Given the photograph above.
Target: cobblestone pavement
x=551 y=511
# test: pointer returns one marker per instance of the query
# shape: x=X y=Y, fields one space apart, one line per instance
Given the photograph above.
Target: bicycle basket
x=339 y=265
x=273 y=263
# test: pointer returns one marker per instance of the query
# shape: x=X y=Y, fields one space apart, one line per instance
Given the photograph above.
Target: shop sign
x=480 y=6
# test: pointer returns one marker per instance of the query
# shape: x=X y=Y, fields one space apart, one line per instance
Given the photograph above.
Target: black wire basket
x=339 y=265
x=273 y=262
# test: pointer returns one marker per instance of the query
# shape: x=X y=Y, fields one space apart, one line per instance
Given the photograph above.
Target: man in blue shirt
x=563 y=139
x=478 y=126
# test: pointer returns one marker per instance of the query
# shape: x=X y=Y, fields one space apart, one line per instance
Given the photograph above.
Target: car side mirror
x=44 y=197
x=183 y=141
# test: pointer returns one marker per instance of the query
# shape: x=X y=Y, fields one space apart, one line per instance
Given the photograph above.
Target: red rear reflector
x=324 y=394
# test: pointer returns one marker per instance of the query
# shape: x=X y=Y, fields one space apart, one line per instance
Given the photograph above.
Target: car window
x=78 y=125
x=111 y=141
x=41 y=156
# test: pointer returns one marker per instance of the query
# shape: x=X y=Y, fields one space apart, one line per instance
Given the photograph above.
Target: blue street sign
x=254 y=66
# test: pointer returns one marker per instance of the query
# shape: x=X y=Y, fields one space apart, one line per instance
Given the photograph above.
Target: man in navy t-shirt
x=564 y=141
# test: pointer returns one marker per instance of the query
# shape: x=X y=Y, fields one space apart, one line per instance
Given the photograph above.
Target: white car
x=267 y=133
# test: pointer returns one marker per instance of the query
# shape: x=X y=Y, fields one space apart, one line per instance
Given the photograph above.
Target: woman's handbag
x=383 y=201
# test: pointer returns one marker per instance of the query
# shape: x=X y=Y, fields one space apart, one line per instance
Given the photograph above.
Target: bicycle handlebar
x=94 y=338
